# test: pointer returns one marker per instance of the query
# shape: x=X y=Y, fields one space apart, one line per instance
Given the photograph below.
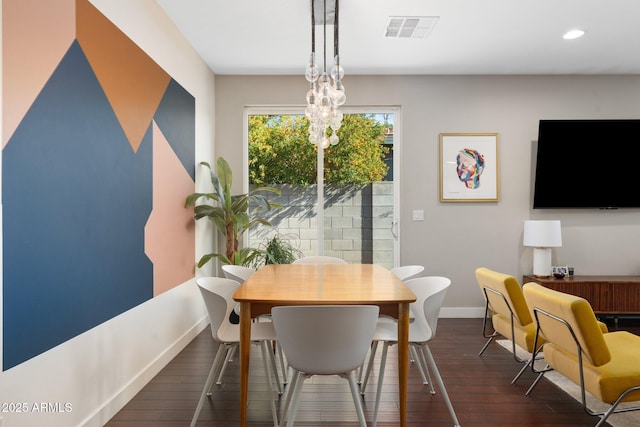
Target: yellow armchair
x=603 y=364
x=510 y=315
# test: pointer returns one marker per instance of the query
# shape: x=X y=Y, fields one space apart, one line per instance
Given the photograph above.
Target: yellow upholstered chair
x=510 y=315
x=603 y=364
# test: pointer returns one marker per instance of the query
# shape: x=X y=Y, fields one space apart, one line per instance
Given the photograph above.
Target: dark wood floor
x=479 y=388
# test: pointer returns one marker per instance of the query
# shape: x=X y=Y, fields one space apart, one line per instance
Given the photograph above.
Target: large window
x=354 y=184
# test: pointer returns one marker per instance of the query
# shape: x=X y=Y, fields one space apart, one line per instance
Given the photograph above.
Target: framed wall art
x=469 y=167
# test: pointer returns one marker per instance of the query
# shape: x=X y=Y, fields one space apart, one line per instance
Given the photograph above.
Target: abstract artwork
x=469 y=167
x=98 y=154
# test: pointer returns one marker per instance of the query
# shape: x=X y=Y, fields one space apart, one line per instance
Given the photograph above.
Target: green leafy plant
x=277 y=250
x=280 y=152
x=231 y=214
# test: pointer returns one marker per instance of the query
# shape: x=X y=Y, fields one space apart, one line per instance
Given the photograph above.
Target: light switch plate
x=418 y=215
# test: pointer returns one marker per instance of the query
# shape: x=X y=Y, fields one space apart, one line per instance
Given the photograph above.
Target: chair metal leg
x=265 y=347
x=220 y=354
x=374 y=348
x=484 y=347
x=291 y=412
x=283 y=365
x=535 y=382
x=521 y=371
x=484 y=328
x=427 y=353
x=540 y=373
x=287 y=402
x=223 y=353
x=383 y=363
x=423 y=362
x=372 y=353
x=272 y=360
x=228 y=358
x=414 y=358
x=351 y=377
x=424 y=370
x=612 y=410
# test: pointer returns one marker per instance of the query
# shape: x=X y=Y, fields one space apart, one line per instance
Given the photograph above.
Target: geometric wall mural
x=97 y=158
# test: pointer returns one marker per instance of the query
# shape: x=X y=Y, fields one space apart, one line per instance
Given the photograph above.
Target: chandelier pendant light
x=326 y=93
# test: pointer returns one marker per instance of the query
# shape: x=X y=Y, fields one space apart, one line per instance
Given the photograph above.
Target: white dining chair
x=430 y=292
x=239 y=273
x=323 y=340
x=319 y=259
x=217 y=293
x=407 y=272
x=404 y=273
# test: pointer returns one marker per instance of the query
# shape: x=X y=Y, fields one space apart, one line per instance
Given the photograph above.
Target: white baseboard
x=461 y=312
x=113 y=405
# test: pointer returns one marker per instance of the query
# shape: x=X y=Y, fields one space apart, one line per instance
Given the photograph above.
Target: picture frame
x=469 y=167
x=562 y=270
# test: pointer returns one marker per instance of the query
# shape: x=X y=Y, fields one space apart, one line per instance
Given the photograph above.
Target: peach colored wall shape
x=34 y=40
x=170 y=231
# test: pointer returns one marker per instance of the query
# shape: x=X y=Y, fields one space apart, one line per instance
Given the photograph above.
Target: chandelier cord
x=335 y=31
x=313 y=28
x=325 y=37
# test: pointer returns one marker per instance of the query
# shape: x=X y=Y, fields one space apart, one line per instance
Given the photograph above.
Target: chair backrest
x=430 y=292
x=217 y=293
x=239 y=273
x=319 y=259
x=577 y=313
x=407 y=272
x=325 y=339
x=510 y=288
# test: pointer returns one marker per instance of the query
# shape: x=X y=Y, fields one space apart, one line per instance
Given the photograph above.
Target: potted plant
x=231 y=213
x=277 y=250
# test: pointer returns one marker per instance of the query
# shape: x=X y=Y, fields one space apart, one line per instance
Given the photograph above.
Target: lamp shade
x=542 y=234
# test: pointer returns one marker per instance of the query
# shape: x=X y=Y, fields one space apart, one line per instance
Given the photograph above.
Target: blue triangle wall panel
x=75 y=202
x=175 y=119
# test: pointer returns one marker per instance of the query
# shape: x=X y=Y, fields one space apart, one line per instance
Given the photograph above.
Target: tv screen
x=587 y=164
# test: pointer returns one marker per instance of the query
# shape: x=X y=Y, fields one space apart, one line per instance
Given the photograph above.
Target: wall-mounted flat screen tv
x=587 y=164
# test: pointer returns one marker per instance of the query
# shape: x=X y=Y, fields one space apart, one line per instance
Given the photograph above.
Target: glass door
x=354 y=183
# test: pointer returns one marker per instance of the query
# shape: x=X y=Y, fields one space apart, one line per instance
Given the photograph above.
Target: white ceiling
x=471 y=36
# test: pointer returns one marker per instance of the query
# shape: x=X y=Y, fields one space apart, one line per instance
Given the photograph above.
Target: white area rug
x=629 y=419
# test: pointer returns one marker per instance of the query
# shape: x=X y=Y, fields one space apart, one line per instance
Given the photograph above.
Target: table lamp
x=542 y=236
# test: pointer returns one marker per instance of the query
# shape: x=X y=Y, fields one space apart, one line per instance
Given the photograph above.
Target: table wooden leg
x=403 y=360
x=245 y=347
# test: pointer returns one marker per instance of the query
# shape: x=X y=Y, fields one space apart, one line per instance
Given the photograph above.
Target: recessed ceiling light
x=573 y=34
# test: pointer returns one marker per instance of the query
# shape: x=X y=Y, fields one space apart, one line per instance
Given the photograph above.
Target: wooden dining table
x=327 y=284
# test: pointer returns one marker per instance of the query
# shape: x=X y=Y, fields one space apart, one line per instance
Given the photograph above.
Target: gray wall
x=456 y=238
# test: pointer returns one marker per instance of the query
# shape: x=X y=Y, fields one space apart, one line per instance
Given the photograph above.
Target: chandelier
x=326 y=94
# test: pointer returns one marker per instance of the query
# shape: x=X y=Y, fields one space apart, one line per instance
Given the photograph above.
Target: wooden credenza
x=614 y=295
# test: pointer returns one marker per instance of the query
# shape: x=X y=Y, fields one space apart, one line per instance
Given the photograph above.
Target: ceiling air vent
x=410 y=27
